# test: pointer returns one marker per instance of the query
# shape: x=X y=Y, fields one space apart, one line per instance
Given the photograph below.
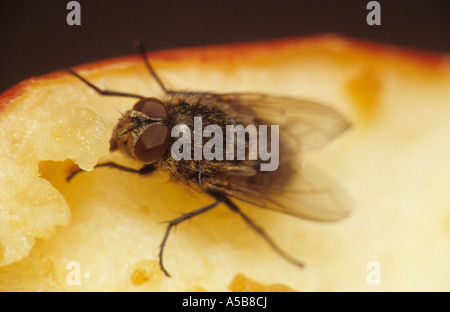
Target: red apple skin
x=235 y=52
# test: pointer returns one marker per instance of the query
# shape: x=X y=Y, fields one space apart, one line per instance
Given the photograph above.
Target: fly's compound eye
x=152 y=143
x=153 y=108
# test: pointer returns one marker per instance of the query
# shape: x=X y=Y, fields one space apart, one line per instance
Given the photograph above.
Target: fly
x=144 y=133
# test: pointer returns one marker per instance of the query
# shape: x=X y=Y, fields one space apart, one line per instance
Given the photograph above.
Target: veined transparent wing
x=294 y=188
x=310 y=124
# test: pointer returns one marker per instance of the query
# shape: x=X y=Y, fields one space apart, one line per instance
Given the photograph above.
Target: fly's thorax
x=185 y=111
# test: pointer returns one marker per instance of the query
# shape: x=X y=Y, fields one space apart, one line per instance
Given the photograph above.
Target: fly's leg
x=153 y=73
x=224 y=199
x=176 y=221
x=104 y=92
x=147 y=169
x=150 y=68
x=143 y=52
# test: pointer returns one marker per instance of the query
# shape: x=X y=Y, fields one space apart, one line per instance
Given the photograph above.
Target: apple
x=101 y=231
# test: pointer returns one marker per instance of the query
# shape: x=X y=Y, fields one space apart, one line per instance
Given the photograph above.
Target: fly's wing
x=311 y=125
x=301 y=191
x=310 y=195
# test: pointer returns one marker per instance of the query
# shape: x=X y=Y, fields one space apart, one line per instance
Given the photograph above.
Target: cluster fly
x=144 y=134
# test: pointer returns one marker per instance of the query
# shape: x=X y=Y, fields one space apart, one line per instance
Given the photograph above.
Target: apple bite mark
x=144 y=134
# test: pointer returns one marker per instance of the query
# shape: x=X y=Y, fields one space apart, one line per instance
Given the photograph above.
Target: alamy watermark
x=374 y=276
x=74 y=16
x=74 y=275
x=236 y=143
x=374 y=16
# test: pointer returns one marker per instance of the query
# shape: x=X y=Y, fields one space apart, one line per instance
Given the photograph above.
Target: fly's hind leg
x=224 y=199
x=176 y=221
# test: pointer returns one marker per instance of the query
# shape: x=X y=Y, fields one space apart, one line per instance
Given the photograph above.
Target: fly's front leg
x=103 y=92
x=147 y=169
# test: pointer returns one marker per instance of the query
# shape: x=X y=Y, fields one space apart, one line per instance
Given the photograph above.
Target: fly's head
x=143 y=132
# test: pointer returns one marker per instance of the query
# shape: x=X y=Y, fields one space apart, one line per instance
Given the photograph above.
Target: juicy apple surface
x=102 y=230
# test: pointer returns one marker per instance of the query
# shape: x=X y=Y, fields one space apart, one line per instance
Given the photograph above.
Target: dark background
x=35 y=38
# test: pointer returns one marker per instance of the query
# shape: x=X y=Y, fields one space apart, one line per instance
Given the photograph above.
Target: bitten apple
x=102 y=230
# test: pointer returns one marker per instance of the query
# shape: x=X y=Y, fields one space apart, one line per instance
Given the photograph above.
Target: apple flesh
x=102 y=230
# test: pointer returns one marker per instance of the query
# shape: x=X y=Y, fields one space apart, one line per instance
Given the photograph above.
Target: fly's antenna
x=143 y=52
